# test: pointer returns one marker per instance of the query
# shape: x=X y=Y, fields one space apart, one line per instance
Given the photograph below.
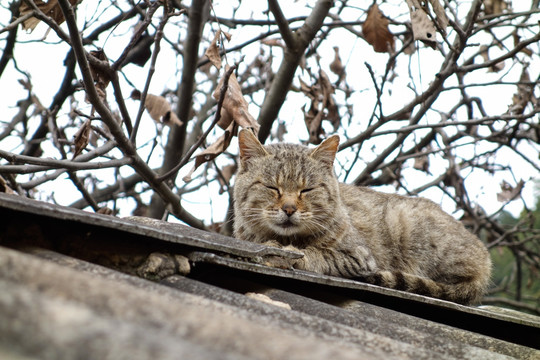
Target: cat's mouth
x=287 y=224
x=286 y=227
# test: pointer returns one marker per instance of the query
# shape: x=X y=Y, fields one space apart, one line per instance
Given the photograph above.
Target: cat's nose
x=289 y=208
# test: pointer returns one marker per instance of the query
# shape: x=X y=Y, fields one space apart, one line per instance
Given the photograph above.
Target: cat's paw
x=281 y=262
x=273 y=243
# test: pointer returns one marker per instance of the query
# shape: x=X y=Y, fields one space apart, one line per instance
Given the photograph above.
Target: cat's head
x=285 y=189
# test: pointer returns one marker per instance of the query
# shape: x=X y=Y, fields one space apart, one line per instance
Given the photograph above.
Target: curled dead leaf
x=81 y=138
x=517 y=39
x=484 y=52
x=376 y=32
x=509 y=192
x=225 y=177
x=212 y=53
x=336 y=66
x=4 y=187
x=273 y=42
x=214 y=150
x=235 y=104
x=422 y=163
x=323 y=107
x=49 y=8
x=158 y=108
x=494 y=7
x=423 y=28
x=524 y=94
x=441 y=20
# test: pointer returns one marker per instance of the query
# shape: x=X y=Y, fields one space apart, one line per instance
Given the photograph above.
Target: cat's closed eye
x=306 y=190
x=272 y=188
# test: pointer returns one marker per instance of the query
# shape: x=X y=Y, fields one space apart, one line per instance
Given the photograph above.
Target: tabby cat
x=288 y=196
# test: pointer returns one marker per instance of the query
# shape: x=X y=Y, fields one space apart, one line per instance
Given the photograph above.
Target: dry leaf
x=235 y=104
x=484 y=52
x=81 y=138
x=523 y=95
x=517 y=39
x=227 y=35
x=273 y=42
x=509 y=193
x=494 y=7
x=158 y=108
x=214 y=150
x=226 y=174
x=423 y=28
x=440 y=16
x=49 y=8
x=410 y=49
x=323 y=107
x=4 y=187
x=141 y=52
x=234 y=107
x=105 y=211
x=225 y=119
x=422 y=163
x=212 y=53
x=336 y=66
x=375 y=30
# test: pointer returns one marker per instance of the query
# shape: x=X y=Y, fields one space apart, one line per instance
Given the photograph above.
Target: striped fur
x=288 y=196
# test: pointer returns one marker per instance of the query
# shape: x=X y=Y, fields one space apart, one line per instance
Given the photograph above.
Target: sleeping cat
x=288 y=196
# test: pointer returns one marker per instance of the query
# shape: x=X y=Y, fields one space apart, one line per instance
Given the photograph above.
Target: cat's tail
x=463 y=291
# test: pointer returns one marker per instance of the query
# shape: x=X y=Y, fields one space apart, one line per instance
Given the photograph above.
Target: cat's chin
x=285 y=229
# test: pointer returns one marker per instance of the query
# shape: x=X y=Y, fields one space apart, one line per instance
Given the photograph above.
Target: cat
x=288 y=196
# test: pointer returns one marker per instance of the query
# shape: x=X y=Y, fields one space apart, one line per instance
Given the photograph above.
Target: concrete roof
x=80 y=285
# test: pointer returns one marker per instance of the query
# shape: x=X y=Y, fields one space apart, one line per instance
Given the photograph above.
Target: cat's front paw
x=281 y=262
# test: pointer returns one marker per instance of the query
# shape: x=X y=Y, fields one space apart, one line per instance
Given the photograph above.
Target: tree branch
x=291 y=59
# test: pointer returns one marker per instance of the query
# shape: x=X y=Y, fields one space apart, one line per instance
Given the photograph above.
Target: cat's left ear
x=326 y=151
x=249 y=145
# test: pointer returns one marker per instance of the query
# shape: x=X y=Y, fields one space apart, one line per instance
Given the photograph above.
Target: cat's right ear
x=249 y=145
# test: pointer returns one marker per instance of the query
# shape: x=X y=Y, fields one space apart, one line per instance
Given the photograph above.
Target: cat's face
x=285 y=190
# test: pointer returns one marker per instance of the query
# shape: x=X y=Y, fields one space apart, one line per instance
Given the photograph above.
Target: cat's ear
x=249 y=146
x=326 y=151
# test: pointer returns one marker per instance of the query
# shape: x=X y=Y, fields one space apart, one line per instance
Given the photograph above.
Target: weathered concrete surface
x=52 y=311
x=215 y=316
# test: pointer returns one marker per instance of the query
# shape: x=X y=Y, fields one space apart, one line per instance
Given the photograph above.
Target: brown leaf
x=105 y=211
x=409 y=50
x=423 y=28
x=225 y=119
x=49 y=8
x=336 y=66
x=273 y=42
x=484 y=52
x=235 y=104
x=4 y=187
x=159 y=109
x=214 y=150
x=440 y=16
x=422 y=163
x=81 y=138
x=494 y=7
x=375 y=30
x=524 y=94
x=226 y=174
x=212 y=53
x=323 y=107
x=508 y=192
x=517 y=39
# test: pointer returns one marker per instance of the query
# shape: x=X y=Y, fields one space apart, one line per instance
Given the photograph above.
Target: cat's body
x=287 y=195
